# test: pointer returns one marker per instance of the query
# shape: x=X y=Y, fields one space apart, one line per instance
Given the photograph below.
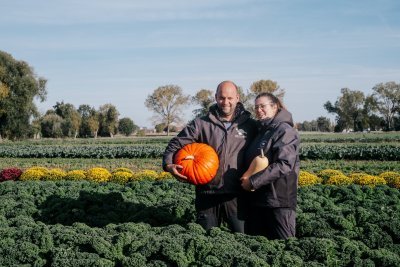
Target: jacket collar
x=282 y=116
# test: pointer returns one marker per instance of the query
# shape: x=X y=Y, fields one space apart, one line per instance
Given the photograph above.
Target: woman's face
x=264 y=108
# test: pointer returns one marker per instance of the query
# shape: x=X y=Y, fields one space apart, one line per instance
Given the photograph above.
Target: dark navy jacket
x=230 y=145
x=276 y=186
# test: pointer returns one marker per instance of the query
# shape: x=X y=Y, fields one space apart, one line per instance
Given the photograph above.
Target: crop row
x=350 y=152
x=125 y=175
x=323 y=151
x=137 y=164
x=389 y=137
x=350 y=137
x=91 y=141
x=152 y=224
x=79 y=151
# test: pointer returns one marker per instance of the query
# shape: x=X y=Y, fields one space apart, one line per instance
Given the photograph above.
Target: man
x=229 y=129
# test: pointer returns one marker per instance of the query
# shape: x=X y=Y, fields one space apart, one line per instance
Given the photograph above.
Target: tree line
x=19 y=117
x=354 y=111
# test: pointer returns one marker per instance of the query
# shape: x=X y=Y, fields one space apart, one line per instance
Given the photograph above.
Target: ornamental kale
x=10 y=174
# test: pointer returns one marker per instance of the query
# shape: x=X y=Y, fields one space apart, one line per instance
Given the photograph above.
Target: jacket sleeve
x=187 y=136
x=285 y=149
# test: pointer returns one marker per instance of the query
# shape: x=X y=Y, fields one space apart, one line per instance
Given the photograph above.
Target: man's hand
x=246 y=184
x=173 y=169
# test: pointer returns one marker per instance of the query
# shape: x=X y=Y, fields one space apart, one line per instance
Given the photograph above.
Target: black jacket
x=230 y=145
x=276 y=186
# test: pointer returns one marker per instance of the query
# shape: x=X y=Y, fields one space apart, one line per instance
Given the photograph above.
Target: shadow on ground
x=98 y=209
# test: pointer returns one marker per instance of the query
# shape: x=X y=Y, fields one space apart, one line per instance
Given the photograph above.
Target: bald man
x=229 y=129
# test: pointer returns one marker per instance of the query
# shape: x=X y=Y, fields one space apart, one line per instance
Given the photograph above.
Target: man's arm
x=187 y=136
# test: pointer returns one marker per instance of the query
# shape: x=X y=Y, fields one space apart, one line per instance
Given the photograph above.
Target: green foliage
x=108 y=120
x=50 y=125
x=89 y=121
x=19 y=87
x=349 y=110
x=372 y=137
x=350 y=152
x=126 y=126
x=93 y=151
x=322 y=151
x=387 y=97
x=71 y=119
x=152 y=223
x=204 y=98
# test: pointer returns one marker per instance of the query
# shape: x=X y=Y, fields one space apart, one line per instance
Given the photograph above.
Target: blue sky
x=96 y=51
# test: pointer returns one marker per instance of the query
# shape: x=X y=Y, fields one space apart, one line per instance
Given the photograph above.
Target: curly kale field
x=152 y=224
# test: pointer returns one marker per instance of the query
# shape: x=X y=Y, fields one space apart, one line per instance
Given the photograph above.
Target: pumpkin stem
x=262 y=152
x=189 y=157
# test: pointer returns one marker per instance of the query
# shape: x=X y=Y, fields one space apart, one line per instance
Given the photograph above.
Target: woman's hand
x=246 y=184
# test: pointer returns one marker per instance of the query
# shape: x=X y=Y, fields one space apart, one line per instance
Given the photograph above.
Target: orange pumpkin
x=199 y=161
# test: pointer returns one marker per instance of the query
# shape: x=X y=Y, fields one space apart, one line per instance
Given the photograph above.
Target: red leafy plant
x=10 y=174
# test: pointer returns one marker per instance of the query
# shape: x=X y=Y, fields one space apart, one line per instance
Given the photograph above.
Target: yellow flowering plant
x=121 y=177
x=38 y=168
x=122 y=170
x=370 y=180
x=328 y=173
x=98 y=175
x=54 y=175
x=306 y=179
x=76 y=175
x=356 y=176
x=34 y=173
x=339 y=179
x=392 y=178
x=164 y=176
x=145 y=175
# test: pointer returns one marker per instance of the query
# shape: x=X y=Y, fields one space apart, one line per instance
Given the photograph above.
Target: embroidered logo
x=240 y=133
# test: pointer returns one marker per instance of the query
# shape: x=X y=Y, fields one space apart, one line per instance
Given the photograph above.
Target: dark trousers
x=273 y=223
x=213 y=210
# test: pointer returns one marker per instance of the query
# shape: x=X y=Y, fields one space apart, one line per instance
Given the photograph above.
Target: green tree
x=370 y=119
x=305 y=126
x=160 y=127
x=108 y=118
x=349 y=110
x=323 y=124
x=36 y=128
x=387 y=96
x=71 y=118
x=89 y=121
x=19 y=86
x=166 y=102
x=50 y=125
x=126 y=126
x=204 y=98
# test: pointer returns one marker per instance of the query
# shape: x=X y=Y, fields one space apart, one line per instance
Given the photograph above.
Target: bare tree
x=167 y=102
x=387 y=96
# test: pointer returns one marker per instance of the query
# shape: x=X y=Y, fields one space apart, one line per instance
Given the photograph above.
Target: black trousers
x=213 y=210
x=273 y=223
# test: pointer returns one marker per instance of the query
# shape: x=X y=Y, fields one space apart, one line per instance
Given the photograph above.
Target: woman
x=273 y=191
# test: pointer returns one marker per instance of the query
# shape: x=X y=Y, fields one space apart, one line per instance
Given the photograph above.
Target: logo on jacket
x=240 y=133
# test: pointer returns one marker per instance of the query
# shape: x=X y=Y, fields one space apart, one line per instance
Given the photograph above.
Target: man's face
x=227 y=99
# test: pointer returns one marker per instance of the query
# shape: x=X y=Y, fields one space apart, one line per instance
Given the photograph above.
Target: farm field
x=141 y=220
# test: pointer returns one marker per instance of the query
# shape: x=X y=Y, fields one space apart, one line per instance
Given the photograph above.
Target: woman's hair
x=273 y=99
